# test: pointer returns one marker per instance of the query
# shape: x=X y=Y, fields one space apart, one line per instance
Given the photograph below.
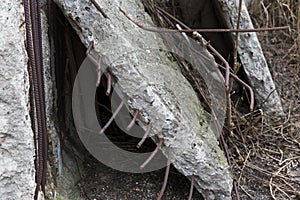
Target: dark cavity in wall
x=199 y=14
x=69 y=53
x=204 y=14
x=84 y=174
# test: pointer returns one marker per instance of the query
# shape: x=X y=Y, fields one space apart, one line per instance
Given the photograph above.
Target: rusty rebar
x=136 y=113
x=207 y=195
x=95 y=62
x=108 y=85
x=152 y=154
x=244 y=84
x=99 y=74
x=144 y=136
x=42 y=91
x=191 y=188
x=153 y=29
x=34 y=49
x=88 y=50
x=113 y=116
x=99 y=9
x=236 y=44
x=163 y=188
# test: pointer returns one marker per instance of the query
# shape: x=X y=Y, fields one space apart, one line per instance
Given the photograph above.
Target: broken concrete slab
x=252 y=58
x=17 y=170
x=154 y=86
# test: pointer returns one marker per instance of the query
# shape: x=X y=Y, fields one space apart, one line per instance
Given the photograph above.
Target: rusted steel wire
x=133 y=120
x=113 y=116
x=163 y=188
x=144 y=136
x=108 y=85
x=99 y=9
x=152 y=154
x=191 y=188
x=188 y=30
x=91 y=45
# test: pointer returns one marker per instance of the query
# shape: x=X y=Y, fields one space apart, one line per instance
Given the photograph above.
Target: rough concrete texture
x=17 y=172
x=156 y=87
x=252 y=58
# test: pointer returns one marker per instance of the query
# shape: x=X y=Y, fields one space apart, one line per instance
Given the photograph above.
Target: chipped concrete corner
x=17 y=170
x=158 y=90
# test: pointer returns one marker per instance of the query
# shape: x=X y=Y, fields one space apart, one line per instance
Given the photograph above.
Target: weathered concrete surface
x=17 y=172
x=156 y=87
x=252 y=58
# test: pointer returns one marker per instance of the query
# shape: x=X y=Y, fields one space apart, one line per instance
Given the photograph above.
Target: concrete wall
x=17 y=172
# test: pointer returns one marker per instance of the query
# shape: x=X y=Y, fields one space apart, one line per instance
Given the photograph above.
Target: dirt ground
x=265 y=155
x=103 y=183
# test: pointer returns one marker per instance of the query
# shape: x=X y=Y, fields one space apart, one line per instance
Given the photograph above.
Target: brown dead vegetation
x=264 y=154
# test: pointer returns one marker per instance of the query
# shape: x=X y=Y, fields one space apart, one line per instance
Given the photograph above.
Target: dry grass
x=265 y=155
x=274 y=12
x=271 y=13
